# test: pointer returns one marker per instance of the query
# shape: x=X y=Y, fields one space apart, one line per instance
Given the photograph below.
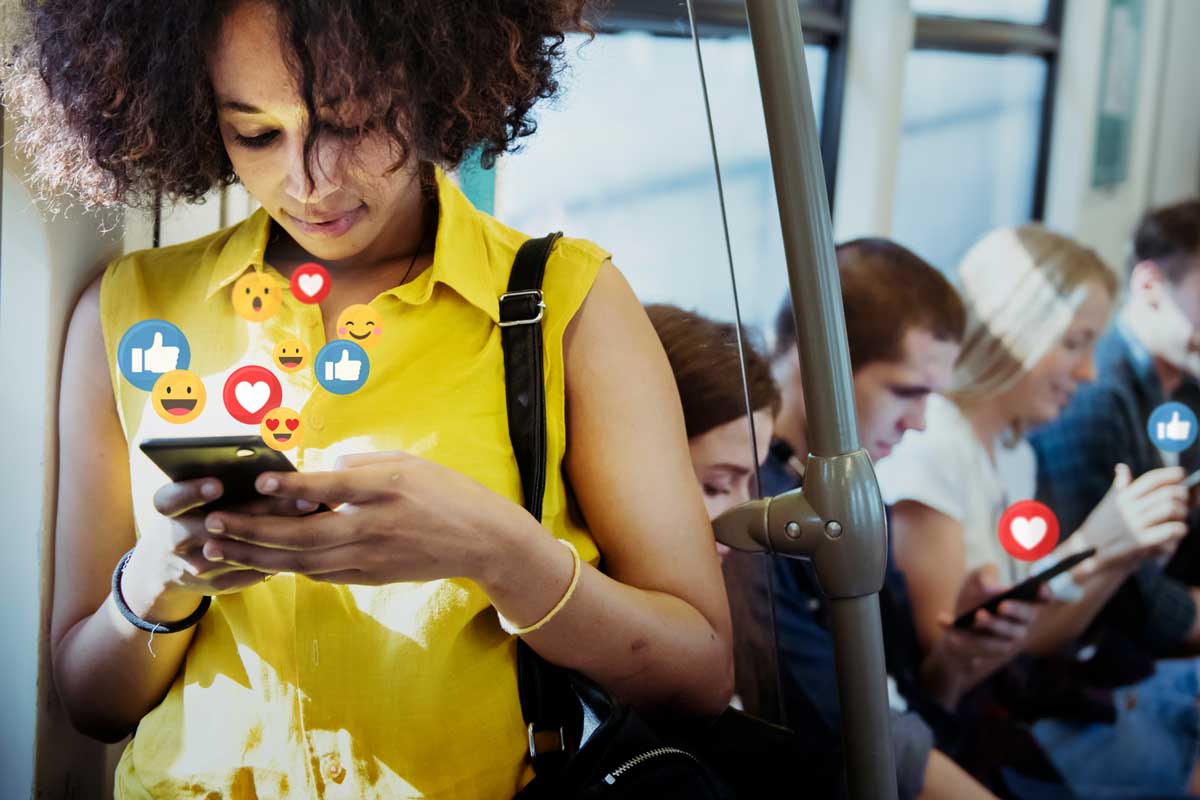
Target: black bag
x=582 y=742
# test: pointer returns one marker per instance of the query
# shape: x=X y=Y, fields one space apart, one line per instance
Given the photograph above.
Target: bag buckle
x=544 y=742
x=541 y=308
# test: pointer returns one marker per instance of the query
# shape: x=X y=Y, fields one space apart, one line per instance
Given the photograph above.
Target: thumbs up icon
x=343 y=370
x=143 y=365
x=157 y=358
x=342 y=367
x=1173 y=427
x=1175 y=430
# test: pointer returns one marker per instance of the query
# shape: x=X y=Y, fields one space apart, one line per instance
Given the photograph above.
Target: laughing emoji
x=291 y=355
x=281 y=429
x=178 y=396
x=257 y=296
x=359 y=323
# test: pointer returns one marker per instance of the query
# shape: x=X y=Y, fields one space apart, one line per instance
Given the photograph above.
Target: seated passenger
x=1151 y=355
x=379 y=659
x=1036 y=304
x=705 y=359
x=904 y=323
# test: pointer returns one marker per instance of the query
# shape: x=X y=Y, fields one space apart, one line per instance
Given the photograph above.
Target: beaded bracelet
x=508 y=627
x=152 y=627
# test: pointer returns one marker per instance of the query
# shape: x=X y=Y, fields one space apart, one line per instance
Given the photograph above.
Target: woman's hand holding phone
x=168 y=573
x=962 y=658
x=401 y=518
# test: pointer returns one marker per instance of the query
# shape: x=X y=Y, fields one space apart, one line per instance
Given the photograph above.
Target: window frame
x=992 y=37
x=826 y=24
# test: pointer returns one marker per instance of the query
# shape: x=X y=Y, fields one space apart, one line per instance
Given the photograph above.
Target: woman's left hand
x=397 y=518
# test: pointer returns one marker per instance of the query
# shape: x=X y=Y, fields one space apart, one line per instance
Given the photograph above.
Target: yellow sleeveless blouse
x=295 y=688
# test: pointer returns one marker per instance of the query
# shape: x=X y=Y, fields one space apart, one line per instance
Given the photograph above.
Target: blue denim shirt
x=1103 y=425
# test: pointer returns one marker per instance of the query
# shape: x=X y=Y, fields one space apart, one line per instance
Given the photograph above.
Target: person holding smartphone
x=368 y=651
x=708 y=365
x=1036 y=303
x=1149 y=356
x=904 y=329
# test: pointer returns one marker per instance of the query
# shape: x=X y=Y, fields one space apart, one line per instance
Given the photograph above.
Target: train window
x=627 y=168
x=974 y=139
x=1029 y=12
x=968 y=149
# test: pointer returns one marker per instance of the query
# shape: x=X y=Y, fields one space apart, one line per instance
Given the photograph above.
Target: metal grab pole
x=838 y=520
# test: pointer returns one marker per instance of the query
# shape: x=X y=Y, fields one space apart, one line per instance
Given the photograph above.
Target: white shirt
x=946 y=468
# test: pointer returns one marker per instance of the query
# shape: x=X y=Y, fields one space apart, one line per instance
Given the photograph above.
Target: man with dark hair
x=1151 y=355
x=904 y=324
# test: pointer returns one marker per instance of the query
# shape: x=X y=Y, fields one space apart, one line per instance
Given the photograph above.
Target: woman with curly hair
x=379 y=659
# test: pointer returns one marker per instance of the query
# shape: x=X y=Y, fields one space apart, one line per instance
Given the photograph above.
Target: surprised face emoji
x=178 y=396
x=291 y=355
x=257 y=296
x=281 y=429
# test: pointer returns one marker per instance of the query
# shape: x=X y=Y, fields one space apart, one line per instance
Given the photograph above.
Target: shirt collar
x=1140 y=359
x=460 y=257
x=243 y=249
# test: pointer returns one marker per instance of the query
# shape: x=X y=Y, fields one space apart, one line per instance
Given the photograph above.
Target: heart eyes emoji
x=281 y=429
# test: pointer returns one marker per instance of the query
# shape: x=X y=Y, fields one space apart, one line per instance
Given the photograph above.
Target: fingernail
x=212 y=551
x=210 y=489
x=214 y=525
x=305 y=505
x=268 y=484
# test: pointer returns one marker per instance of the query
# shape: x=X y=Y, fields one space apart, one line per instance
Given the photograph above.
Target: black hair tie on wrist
x=152 y=627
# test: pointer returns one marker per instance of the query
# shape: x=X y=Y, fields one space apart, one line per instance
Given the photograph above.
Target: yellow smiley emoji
x=359 y=323
x=281 y=429
x=257 y=296
x=291 y=355
x=178 y=396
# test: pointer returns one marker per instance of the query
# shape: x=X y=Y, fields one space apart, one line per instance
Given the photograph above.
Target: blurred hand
x=168 y=573
x=1140 y=513
x=963 y=658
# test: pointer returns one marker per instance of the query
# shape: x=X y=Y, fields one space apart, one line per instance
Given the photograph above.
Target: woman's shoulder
x=569 y=252
x=170 y=267
x=571 y=270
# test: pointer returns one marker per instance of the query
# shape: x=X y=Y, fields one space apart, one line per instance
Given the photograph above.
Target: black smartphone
x=1192 y=480
x=1026 y=590
x=235 y=460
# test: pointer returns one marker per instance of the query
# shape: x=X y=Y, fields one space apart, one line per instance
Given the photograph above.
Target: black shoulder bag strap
x=552 y=715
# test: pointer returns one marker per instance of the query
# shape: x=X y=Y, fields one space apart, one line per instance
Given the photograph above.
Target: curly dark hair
x=117 y=106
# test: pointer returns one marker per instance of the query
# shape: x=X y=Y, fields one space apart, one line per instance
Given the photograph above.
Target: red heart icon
x=292 y=423
x=310 y=283
x=272 y=423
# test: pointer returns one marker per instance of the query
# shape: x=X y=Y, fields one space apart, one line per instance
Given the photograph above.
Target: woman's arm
x=945 y=780
x=104 y=672
x=929 y=549
x=655 y=629
x=104 y=669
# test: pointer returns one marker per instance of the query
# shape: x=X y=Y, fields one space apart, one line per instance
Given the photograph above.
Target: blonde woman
x=1036 y=303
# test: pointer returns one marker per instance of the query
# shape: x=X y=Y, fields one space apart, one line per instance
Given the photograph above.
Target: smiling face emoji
x=178 y=396
x=257 y=296
x=281 y=429
x=291 y=355
x=359 y=323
